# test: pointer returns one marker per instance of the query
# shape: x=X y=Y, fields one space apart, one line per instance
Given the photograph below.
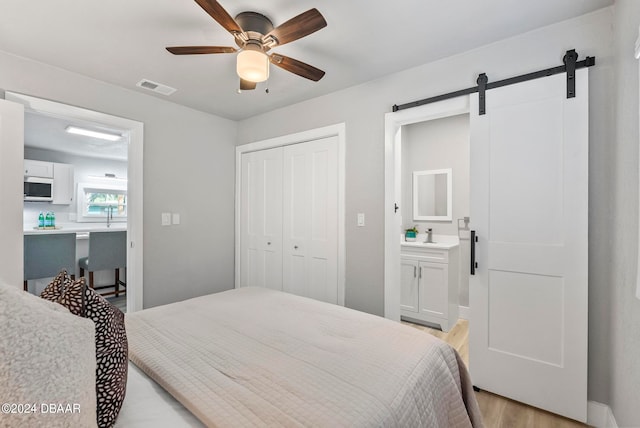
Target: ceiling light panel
x=91 y=133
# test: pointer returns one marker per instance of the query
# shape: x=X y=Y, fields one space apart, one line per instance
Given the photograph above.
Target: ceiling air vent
x=156 y=87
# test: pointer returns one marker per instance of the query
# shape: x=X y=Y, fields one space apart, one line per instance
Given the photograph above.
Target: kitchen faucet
x=109 y=215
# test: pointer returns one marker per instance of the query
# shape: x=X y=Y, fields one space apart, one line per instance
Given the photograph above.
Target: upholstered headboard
x=47 y=363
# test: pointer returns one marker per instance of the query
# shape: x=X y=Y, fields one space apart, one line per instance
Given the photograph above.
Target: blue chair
x=107 y=250
x=46 y=254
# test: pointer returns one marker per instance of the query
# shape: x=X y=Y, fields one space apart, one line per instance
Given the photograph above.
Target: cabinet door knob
x=269 y=243
x=295 y=247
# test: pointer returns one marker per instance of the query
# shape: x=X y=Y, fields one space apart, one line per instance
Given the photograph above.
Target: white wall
x=436 y=144
x=622 y=228
x=186 y=152
x=362 y=108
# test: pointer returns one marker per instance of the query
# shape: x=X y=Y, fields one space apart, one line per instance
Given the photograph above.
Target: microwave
x=38 y=189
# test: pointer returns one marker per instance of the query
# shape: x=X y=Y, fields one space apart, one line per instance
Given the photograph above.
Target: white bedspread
x=148 y=405
x=257 y=357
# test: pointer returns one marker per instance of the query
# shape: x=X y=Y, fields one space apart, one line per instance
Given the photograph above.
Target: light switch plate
x=360 y=219
x=176 y=218
x=166 y=219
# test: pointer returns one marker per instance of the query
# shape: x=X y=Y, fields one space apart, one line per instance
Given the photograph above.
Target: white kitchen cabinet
x=34 y=168
x=429 y=284
x=62 y=190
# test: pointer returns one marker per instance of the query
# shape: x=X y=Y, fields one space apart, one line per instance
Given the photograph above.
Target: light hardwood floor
x=497 y=411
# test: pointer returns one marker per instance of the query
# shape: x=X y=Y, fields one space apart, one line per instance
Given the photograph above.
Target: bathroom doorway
x=411 y=136
x=435 y=192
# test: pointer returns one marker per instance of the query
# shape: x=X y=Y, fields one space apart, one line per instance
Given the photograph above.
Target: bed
x=258 y=357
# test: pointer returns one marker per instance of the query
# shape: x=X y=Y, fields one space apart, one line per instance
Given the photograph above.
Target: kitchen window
x=97 y=200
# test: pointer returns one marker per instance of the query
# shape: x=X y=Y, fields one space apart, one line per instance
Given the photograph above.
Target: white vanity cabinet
x=429 y=283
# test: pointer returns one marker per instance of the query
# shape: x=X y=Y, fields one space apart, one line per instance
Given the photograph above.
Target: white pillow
x=47 y=363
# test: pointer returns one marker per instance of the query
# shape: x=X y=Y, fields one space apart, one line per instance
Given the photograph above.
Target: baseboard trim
x=463 y=312
x=600 y=415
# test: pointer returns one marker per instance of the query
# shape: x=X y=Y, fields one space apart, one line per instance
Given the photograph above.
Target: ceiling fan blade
x=298 y=27
x=197 y=50
x=217 y=12
x=297 y=67
x=246 y=85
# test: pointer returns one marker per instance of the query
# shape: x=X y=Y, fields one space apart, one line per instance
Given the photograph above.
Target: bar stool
x=107 y=250
x=46 y=254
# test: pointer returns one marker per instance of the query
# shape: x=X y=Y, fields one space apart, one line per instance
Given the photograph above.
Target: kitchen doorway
x=104 y=170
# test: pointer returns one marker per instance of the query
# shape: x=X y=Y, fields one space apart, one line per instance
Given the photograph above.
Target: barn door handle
x=474 y=264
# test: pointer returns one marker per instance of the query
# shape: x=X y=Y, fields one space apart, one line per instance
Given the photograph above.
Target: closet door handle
x=420 y=276
x=414 y=271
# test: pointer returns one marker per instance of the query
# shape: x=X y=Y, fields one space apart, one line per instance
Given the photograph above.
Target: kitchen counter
x=82 y=229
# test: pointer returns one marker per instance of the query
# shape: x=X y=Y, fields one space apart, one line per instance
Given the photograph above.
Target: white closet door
x=261 y=219
x=310 y=219
x=529 y=206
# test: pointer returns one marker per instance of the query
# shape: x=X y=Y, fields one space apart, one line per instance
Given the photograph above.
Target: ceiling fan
x=255 y=35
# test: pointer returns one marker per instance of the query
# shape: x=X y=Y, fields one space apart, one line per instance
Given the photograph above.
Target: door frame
x=393 y=193
x=337 y=130
x=134 y=180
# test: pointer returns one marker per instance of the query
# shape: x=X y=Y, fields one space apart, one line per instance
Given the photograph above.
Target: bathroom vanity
x=429 y=280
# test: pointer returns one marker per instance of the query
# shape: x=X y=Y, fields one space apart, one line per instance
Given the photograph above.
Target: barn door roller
x=569 y=60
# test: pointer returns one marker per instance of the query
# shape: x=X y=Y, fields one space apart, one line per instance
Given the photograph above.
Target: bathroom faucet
x=429 y=238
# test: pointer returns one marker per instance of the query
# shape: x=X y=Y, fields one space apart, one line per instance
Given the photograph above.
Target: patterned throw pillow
x=111 y=345
x=53 y=291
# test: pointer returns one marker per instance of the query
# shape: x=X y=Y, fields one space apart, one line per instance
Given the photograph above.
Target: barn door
x=529 y=194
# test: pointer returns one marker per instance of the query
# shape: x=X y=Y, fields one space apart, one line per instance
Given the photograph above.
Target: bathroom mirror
x=432 y=195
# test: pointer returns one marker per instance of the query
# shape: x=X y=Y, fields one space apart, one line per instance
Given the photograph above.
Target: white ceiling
x=123 y=41
x=48 y=132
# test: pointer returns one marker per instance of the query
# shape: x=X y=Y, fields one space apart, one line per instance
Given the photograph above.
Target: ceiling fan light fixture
x=253 y=64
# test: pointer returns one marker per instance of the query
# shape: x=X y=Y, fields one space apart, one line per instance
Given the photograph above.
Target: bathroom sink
x=439 y=241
